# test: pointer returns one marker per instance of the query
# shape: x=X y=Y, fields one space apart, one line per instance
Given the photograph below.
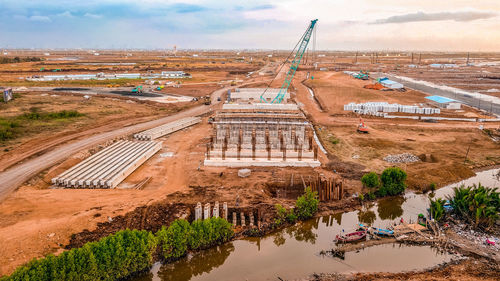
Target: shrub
x=437 y=208
x=361 y=197
x=371 y=180
x=291 y=217
x=174 y=239
x=209 y=232
x=393 y=181
x=111 y=258
x=284 y=215
x=281 y=214
x=64 y=114
x=307 y=204
x=432 y=186
x=371 y=195
x=477 y=204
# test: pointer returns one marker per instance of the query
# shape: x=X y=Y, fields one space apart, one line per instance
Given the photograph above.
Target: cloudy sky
x=442 y=25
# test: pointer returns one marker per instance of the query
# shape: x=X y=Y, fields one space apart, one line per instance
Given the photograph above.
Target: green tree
x=307 y=204
x=393 y=181
x=174 y=239
x=371 y=180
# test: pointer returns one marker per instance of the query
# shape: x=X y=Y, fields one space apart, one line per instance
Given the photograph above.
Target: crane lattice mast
x=295 y=64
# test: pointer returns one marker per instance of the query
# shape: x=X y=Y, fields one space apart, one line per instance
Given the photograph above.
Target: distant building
x=445 y=102
x=390 y=84
x=7 y=94
x=175 y=74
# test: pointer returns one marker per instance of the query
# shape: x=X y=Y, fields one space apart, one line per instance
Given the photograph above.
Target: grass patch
x=34 y=121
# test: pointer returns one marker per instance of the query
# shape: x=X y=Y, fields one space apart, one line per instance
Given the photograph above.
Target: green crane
x=295 y=64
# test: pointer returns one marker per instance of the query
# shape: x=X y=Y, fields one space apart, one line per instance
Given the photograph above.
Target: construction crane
x=304 y=41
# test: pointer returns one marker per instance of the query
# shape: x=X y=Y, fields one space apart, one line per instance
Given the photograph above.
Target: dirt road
x=11 y=178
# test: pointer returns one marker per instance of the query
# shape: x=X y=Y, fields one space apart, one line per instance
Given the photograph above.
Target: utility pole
x=356 y=58
x=420 y=58
x=411 y=58
x=468 y=55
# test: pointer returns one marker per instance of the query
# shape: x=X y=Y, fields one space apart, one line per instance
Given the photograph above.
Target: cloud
x=94 y=16
x=421 y=16
x=183 y=8
x=40 y=18
x=65 y=14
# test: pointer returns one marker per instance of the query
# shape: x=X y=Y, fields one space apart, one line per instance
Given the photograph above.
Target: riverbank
x=467 y=269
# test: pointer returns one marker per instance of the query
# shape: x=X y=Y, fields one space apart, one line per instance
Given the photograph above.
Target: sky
x=407 y=25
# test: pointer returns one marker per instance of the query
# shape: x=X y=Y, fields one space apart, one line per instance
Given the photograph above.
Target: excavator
x=303 y=42
x=362 y=128
x=137 y=90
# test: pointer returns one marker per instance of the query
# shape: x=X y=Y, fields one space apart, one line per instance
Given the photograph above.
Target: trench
x=294 y=252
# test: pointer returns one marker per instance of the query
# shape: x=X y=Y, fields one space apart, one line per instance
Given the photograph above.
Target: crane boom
x=295 y=64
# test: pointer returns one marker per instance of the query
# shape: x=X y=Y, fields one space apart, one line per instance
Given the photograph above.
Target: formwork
x=109 y=167
x=168 y=128
x=261 y=135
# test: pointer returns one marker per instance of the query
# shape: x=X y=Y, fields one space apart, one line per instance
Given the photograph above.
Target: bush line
x=126 y=252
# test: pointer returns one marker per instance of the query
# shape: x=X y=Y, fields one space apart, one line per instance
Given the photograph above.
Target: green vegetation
x=437 y=209
x=333 y=140
x=5 y=60
x=307 y=204
x=111 y=258
x=305 y=207
x=393 y=181
x=476 y=204
x=174 y=239
x=432 y=186
x=370 y=180
x=34 y=114
x=371 y=195
x=284 y=215
x=12 y=127
x=126 y=252
x=207 y=233
x=7 y=129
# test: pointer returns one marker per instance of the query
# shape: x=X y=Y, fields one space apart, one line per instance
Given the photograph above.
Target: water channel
x=294 y=252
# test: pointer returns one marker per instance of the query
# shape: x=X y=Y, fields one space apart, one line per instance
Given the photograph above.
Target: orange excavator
x=362 y=127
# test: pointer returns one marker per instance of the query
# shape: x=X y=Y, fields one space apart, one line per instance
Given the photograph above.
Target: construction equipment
x=207 y=100
x=363 y=75
x=303 y=42
x=362 y=128
x=137 y=90
x=160 y=87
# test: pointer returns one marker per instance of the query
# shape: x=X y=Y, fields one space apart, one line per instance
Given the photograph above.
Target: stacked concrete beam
x=371 y=108
x=168 y=128
x=109 y=167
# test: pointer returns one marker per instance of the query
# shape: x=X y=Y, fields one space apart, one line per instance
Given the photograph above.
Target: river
x=294 y=251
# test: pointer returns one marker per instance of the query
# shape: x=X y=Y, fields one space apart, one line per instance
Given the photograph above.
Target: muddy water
x=294 y=252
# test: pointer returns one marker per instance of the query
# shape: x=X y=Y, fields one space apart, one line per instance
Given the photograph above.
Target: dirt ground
x=99 y=114
x=465 y=270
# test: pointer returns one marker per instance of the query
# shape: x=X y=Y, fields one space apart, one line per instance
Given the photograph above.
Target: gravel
x=401 y=158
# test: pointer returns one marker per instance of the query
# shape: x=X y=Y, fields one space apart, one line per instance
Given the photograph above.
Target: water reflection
x=366 y=215
x=197 y=264
x=390 y=208
x=303 y=232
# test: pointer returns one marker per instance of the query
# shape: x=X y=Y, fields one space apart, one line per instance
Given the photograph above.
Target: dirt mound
x=151 y=217
x=348 y=170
